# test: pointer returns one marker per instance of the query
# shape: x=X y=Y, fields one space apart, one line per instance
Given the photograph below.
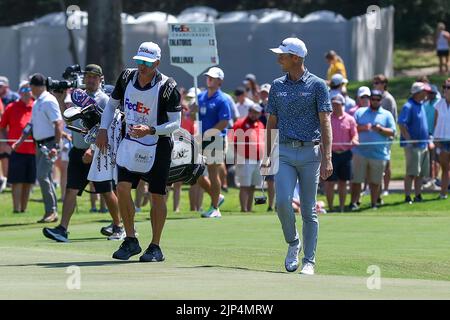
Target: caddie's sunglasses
x=375 y=99
x=146 y=63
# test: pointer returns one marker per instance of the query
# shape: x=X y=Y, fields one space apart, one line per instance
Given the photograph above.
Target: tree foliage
x=414 y=19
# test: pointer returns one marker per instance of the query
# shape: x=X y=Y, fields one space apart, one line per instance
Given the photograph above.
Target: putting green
x=236 y=257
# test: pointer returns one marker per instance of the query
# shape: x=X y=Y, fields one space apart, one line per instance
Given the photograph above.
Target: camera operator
x=80 y=159
x=47 y=127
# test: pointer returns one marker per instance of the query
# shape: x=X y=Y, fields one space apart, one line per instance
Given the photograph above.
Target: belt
x=45 y=140
x=296 y=144
x=340 y=151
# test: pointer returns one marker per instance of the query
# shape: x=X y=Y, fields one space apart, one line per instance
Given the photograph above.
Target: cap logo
x=147 y=51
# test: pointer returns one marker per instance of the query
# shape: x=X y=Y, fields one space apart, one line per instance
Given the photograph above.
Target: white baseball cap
x=419 y=86
x=148 y=51
x=338 y=79
x=192 y=92
x=265 y=87
x=215 y=73
x=292 y=45
x=4 y=81
x=256 y=107
x=338 y=98
x=24 y=83
x=364 y=91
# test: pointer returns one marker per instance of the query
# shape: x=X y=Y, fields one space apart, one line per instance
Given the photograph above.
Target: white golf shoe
x=307 y=269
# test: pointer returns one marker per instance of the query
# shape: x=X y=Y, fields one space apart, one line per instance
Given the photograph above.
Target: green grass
x=414 y=58
x=238 y=256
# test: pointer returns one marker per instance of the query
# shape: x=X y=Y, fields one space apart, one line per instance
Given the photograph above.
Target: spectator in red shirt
x=249 y=147
x=22 y=165
x=3 y=156
x=345 y=136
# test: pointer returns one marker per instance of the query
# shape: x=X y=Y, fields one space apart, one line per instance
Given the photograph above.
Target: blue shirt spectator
x=297 y=105
x=234 y=112
x=213 y=109
x=414 y=119
x=429 y=107
x=6 y=94
x=384 y=118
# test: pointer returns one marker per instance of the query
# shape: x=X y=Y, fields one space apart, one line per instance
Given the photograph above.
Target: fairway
x=237 y=257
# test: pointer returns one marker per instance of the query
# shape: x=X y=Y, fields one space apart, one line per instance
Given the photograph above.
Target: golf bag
x=187 y=164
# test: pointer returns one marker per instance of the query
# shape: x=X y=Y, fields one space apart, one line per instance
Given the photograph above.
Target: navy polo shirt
x=297 y=104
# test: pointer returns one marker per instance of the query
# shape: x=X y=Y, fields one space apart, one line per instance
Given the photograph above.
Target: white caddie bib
x=140 y=107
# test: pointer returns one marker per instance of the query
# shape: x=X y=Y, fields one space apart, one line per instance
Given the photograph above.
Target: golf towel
x=103 y=167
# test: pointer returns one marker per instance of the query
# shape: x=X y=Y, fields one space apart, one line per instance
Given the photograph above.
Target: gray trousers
x=44 y=168
x=302 y=164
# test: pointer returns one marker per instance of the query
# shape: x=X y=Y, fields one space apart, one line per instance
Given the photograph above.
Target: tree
x=104 y=37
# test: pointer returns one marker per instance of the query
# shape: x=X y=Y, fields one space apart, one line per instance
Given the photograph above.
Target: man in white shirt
x=47 y=127
x=243 y=103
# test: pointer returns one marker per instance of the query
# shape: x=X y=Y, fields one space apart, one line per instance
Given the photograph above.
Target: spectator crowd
x=364 y=128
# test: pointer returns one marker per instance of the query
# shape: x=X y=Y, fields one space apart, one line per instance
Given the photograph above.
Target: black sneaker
x=408 y=200
x=353 y=207
x=129 y=247
x=108 y=230
x=269 y=209
x=152 y=254
x=58 y=234
x=418 y=198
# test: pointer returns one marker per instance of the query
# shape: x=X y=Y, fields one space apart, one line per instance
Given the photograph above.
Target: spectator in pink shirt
x=362 y=100
x=345 y=136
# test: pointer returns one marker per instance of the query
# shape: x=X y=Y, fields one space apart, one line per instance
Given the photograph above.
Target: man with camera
x=151 y=103
x=47 y=127
x=80 y=159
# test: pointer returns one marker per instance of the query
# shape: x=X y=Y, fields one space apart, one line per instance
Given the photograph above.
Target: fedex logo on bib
x=138 y=107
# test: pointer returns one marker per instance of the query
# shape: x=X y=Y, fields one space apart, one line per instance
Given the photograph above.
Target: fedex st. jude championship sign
x=193 y=47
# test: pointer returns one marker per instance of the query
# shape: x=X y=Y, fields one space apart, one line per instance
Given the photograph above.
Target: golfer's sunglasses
x=146 y=63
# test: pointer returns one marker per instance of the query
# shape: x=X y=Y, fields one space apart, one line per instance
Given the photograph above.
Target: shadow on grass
x=17 y=224
x=232 y=268
x=53 y=265
x=366 y=208
x=36 y=200
x=87 y=239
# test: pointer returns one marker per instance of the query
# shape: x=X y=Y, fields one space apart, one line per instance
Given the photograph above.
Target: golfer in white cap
x=299 y=107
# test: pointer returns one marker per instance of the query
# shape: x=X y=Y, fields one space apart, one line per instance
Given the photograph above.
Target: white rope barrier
x=334 y=143
x=12 y=140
